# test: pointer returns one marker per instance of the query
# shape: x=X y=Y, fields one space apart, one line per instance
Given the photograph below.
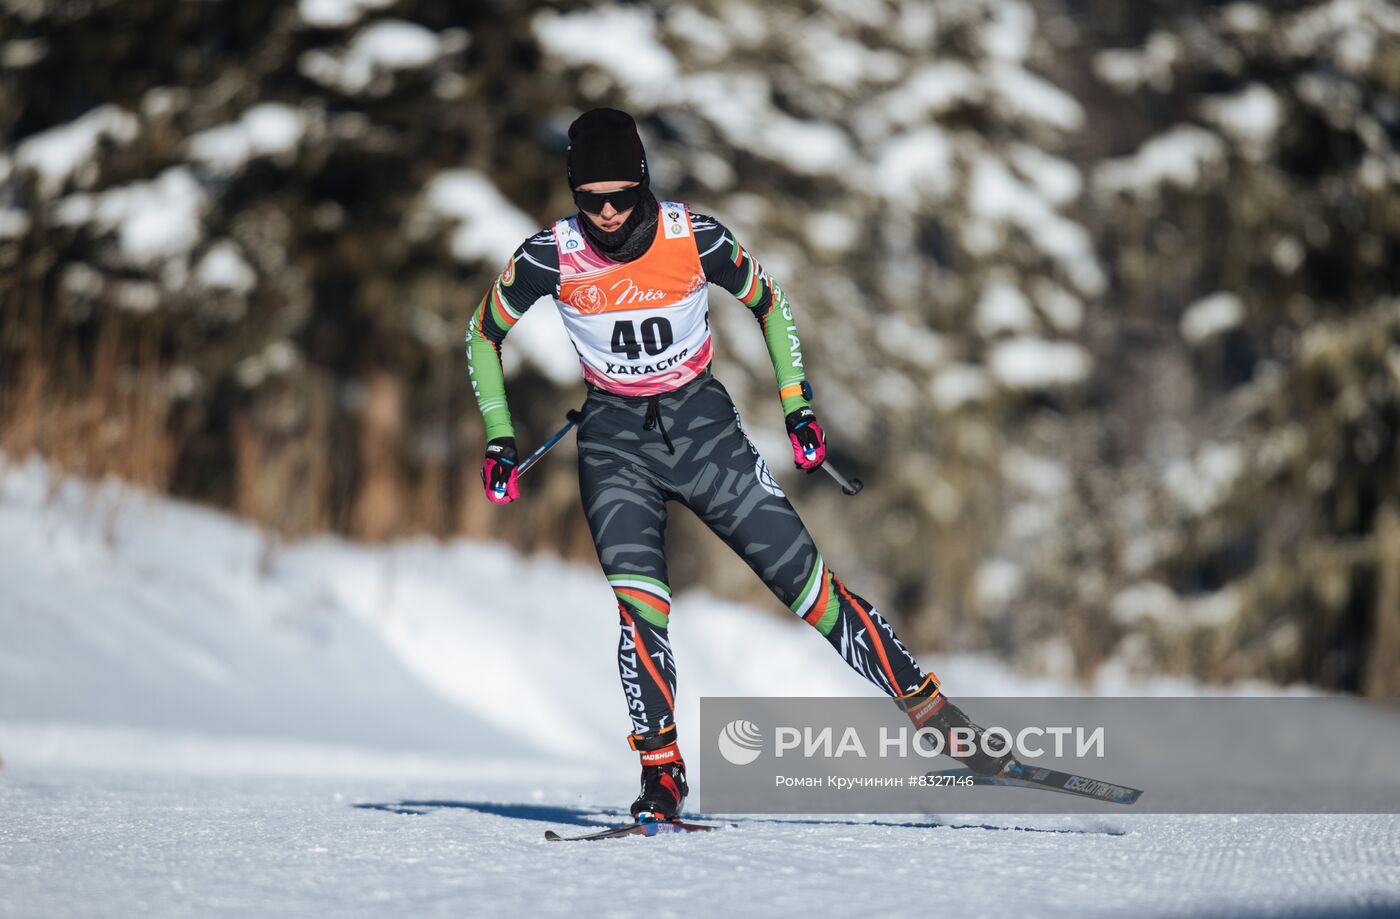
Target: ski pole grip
x=849 y=486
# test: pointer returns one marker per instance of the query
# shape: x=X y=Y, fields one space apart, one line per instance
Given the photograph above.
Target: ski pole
x=849 y=486
x=574 y=416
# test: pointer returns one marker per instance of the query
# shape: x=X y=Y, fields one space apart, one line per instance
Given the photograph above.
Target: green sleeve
x=729 y=265
x=784 y=350
x=528 y=276
x=487 y=376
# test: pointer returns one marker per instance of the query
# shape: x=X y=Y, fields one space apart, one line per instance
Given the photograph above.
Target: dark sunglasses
x=621 y=199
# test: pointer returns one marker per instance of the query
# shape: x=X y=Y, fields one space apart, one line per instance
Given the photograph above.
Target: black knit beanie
x=604 y=147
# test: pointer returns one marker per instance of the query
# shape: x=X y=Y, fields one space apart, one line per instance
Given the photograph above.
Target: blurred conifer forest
x=1099 y=298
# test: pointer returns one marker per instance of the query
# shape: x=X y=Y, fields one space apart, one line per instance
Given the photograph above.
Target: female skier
x=630 y=278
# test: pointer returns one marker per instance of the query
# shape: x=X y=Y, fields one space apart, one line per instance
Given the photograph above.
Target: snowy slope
x=120 y=608
x=193 y=724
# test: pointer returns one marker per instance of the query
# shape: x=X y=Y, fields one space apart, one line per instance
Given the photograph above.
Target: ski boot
x=663 y=778
x=927 y=707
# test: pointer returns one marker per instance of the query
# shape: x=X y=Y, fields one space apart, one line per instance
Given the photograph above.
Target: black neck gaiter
x=633 y=238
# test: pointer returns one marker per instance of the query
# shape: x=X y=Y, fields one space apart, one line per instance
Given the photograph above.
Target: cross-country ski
x=643 y=828
x=1016 y=775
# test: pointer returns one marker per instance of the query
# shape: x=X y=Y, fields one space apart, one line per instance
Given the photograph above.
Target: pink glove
x=808 y=441
x=499 y=473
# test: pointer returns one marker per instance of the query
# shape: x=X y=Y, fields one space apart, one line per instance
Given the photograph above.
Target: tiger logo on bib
x=590 y=299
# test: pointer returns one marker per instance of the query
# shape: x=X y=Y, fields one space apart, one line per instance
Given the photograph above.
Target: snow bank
x=120 y=609
x=148 y=634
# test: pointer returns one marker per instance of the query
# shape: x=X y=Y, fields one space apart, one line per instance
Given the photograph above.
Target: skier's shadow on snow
x=575 y=816
x=571 y=816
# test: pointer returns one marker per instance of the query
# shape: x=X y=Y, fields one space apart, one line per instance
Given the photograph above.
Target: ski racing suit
x=658 y=428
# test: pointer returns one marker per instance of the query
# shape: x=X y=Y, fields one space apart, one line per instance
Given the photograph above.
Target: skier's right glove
x=499 y=471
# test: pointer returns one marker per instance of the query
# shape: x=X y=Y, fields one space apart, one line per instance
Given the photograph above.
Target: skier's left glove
x=499 y=471
x=808 y=440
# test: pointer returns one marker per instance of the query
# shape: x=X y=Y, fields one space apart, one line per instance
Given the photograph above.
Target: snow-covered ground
x=194 y=722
